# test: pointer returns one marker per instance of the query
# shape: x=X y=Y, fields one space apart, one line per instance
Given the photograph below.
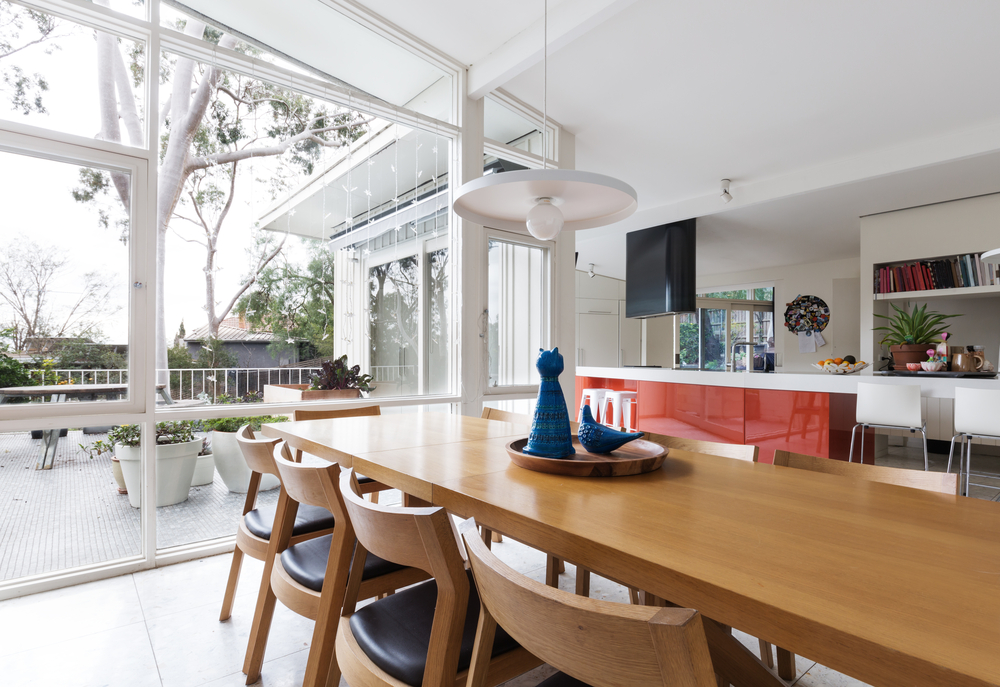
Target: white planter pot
x=175 y=464
x=204 y=471
x=233 y=469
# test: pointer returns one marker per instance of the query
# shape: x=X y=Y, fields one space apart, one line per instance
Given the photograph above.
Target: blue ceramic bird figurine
x=597 y=438
x=550 y=434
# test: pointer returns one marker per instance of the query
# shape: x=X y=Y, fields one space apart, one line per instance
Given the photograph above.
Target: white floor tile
x=119 y=657
x=286 y=671
x=519 y=556
x=191 y=584
x=821 y=676
x=192 y=647
x=43 y=619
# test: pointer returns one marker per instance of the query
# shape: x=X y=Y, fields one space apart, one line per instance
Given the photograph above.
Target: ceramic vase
x=550 y=433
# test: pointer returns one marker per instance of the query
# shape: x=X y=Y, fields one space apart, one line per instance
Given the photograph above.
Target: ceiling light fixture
x=545 y=201
x=591 y=272
x=726 y=195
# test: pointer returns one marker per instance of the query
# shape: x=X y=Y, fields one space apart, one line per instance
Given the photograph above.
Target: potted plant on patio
x=229 y=460
x=335 y=380
x=909 y=334
x=176 y=458
x=204 y=471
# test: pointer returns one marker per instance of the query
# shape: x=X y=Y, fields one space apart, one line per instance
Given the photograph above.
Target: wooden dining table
x=891 y=585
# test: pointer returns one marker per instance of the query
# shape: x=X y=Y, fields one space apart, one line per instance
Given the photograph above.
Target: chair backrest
x=977 y=411
x=423 y=538
x=598 y=642
x=300 y=414
x=314 y=484
x=944 y=482
x=712 y=448
x=506 y=416
x=889 y=404
x=258 y=453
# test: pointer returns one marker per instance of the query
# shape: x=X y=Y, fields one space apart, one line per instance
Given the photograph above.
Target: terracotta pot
x=908 y=353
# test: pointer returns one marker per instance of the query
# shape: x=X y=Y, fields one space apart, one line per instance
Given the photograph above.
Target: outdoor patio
x=73 y=515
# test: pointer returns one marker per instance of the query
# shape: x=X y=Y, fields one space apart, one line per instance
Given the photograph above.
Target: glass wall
x=516 y=318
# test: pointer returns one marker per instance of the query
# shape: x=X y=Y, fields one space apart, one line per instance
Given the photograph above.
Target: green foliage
x=917 y=327
x=98 y=448
x=13 y=373
x=22 y=29
x=167 y=432
x=233 y=424
x=337 y=375
x=213 y=354
x=295 y=302
x=689 y=343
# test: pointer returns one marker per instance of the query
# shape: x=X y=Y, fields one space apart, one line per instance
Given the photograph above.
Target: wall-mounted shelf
x=929 y=294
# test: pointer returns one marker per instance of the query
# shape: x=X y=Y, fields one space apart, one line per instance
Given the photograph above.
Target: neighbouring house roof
x=232 y=329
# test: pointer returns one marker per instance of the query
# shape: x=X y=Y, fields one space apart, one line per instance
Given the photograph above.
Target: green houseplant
x=335 y=380
x=229 y=462
x=176 y=457
x=909 y=334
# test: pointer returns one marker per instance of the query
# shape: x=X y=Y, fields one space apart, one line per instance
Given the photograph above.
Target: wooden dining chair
x=432 y=624
x=257 y=524
x=368 y=485
x=506 y=416
x=713 y=448
x=310 y=577
x=943 y=482
x=597 y=642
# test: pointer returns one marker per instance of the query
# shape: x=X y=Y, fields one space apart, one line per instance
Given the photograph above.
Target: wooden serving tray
x=634 y=458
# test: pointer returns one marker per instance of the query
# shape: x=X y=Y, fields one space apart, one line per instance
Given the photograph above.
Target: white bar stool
x=622 y=402
x=889 y=406
x=596 y=398
x=977 y=414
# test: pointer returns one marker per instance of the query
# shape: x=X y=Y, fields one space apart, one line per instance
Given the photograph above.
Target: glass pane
x=689 y=339
x=502 y=124
x=440 y=336
x=737 y=295
x=63 y=76
x=765 y=293
x=394 y=317
x=70 y=516
x=515 y=312
x=713 y=338
x=64 y=275
x=739 y=330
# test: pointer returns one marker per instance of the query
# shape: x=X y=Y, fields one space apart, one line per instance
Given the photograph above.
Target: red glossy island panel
x=815 y=423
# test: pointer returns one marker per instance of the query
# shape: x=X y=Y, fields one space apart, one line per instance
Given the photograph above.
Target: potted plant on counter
x=335 y=380
x=909 y=334
x=176 y=457
x=229 y=460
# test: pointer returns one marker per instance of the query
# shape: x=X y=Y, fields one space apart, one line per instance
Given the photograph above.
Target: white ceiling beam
x=567 y=21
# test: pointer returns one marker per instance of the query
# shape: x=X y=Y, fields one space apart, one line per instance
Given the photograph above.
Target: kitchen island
x=805 y=412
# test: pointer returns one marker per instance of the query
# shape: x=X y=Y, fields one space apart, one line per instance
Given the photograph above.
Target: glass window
x=517 y=319
x=71 y=78
x=64 y=276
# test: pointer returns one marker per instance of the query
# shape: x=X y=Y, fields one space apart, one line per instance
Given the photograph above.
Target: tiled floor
x=161 y=628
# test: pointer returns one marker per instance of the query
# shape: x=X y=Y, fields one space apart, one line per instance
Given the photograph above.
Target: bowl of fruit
x=841 y=366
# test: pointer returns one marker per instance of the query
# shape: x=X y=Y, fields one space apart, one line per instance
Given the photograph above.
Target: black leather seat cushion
x=395 y=631
x=308 y=519
x=364 y=480
x=306 y=563
x=561 y=680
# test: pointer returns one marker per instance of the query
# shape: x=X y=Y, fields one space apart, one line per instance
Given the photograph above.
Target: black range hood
x=660 y=270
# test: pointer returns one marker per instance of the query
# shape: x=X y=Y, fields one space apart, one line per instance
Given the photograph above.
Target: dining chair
x=368 y=485
x=598 y=643
x=943 y=482
x=420 y=636
x=310 y=577
x=977 y=415
x=506 y=416
x=257 y=524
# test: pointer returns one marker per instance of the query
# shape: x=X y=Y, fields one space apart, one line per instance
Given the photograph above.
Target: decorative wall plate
x=807 y=314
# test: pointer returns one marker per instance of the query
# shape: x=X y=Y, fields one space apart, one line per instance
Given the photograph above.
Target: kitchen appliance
x=660 y=270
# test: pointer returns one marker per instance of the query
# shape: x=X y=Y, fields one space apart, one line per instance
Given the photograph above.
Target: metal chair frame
x=913 y=430
x=965 y=460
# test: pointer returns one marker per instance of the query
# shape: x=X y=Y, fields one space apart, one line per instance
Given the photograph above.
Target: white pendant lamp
x=991 y=256
x=545 y=201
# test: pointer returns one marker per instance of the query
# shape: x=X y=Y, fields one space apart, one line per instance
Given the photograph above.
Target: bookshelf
x=958 y=275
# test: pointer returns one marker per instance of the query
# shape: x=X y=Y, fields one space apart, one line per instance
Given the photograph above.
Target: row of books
x=944 y=273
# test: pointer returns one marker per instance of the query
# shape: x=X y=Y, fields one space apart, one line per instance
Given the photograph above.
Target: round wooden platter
x=634 y=458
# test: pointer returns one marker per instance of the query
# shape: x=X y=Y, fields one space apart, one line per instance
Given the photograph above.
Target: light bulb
x=545 y=220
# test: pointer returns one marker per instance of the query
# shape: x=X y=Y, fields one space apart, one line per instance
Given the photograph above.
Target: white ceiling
x=818 y=112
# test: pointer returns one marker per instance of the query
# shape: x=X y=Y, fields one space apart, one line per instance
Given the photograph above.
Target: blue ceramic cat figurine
x=597 y=438
x=550 y=434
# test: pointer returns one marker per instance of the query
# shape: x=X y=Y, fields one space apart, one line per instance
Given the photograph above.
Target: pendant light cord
x=545 y=85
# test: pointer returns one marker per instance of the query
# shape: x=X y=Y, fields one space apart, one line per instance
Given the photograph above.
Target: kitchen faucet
x=749 y=345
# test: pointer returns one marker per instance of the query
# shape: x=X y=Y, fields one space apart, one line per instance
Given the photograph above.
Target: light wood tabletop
x=891 y=585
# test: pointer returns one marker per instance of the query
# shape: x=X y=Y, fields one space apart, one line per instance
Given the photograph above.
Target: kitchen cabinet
x=630 y=338
x=597 y=339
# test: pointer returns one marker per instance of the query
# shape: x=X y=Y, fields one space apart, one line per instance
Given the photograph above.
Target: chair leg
x=854 y=431
x=923 y=431
x=951 y=452
x=766 y=655
x=633 y=596
x=373 y=497
x=786 y=664
x=582 y=581
x=497 y=538
x=552 y=570
x=968 y=465
x=231 y=584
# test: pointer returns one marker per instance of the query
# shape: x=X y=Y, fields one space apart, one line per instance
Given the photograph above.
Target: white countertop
x=931 y=387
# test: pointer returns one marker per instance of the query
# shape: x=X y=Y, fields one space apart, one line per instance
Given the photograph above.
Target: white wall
x=971 y=225
x=837 y=282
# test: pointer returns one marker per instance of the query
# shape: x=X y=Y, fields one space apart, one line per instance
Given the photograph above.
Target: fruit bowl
x=842 y=368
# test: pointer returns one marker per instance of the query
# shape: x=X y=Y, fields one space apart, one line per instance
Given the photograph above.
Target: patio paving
x=73 y=515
